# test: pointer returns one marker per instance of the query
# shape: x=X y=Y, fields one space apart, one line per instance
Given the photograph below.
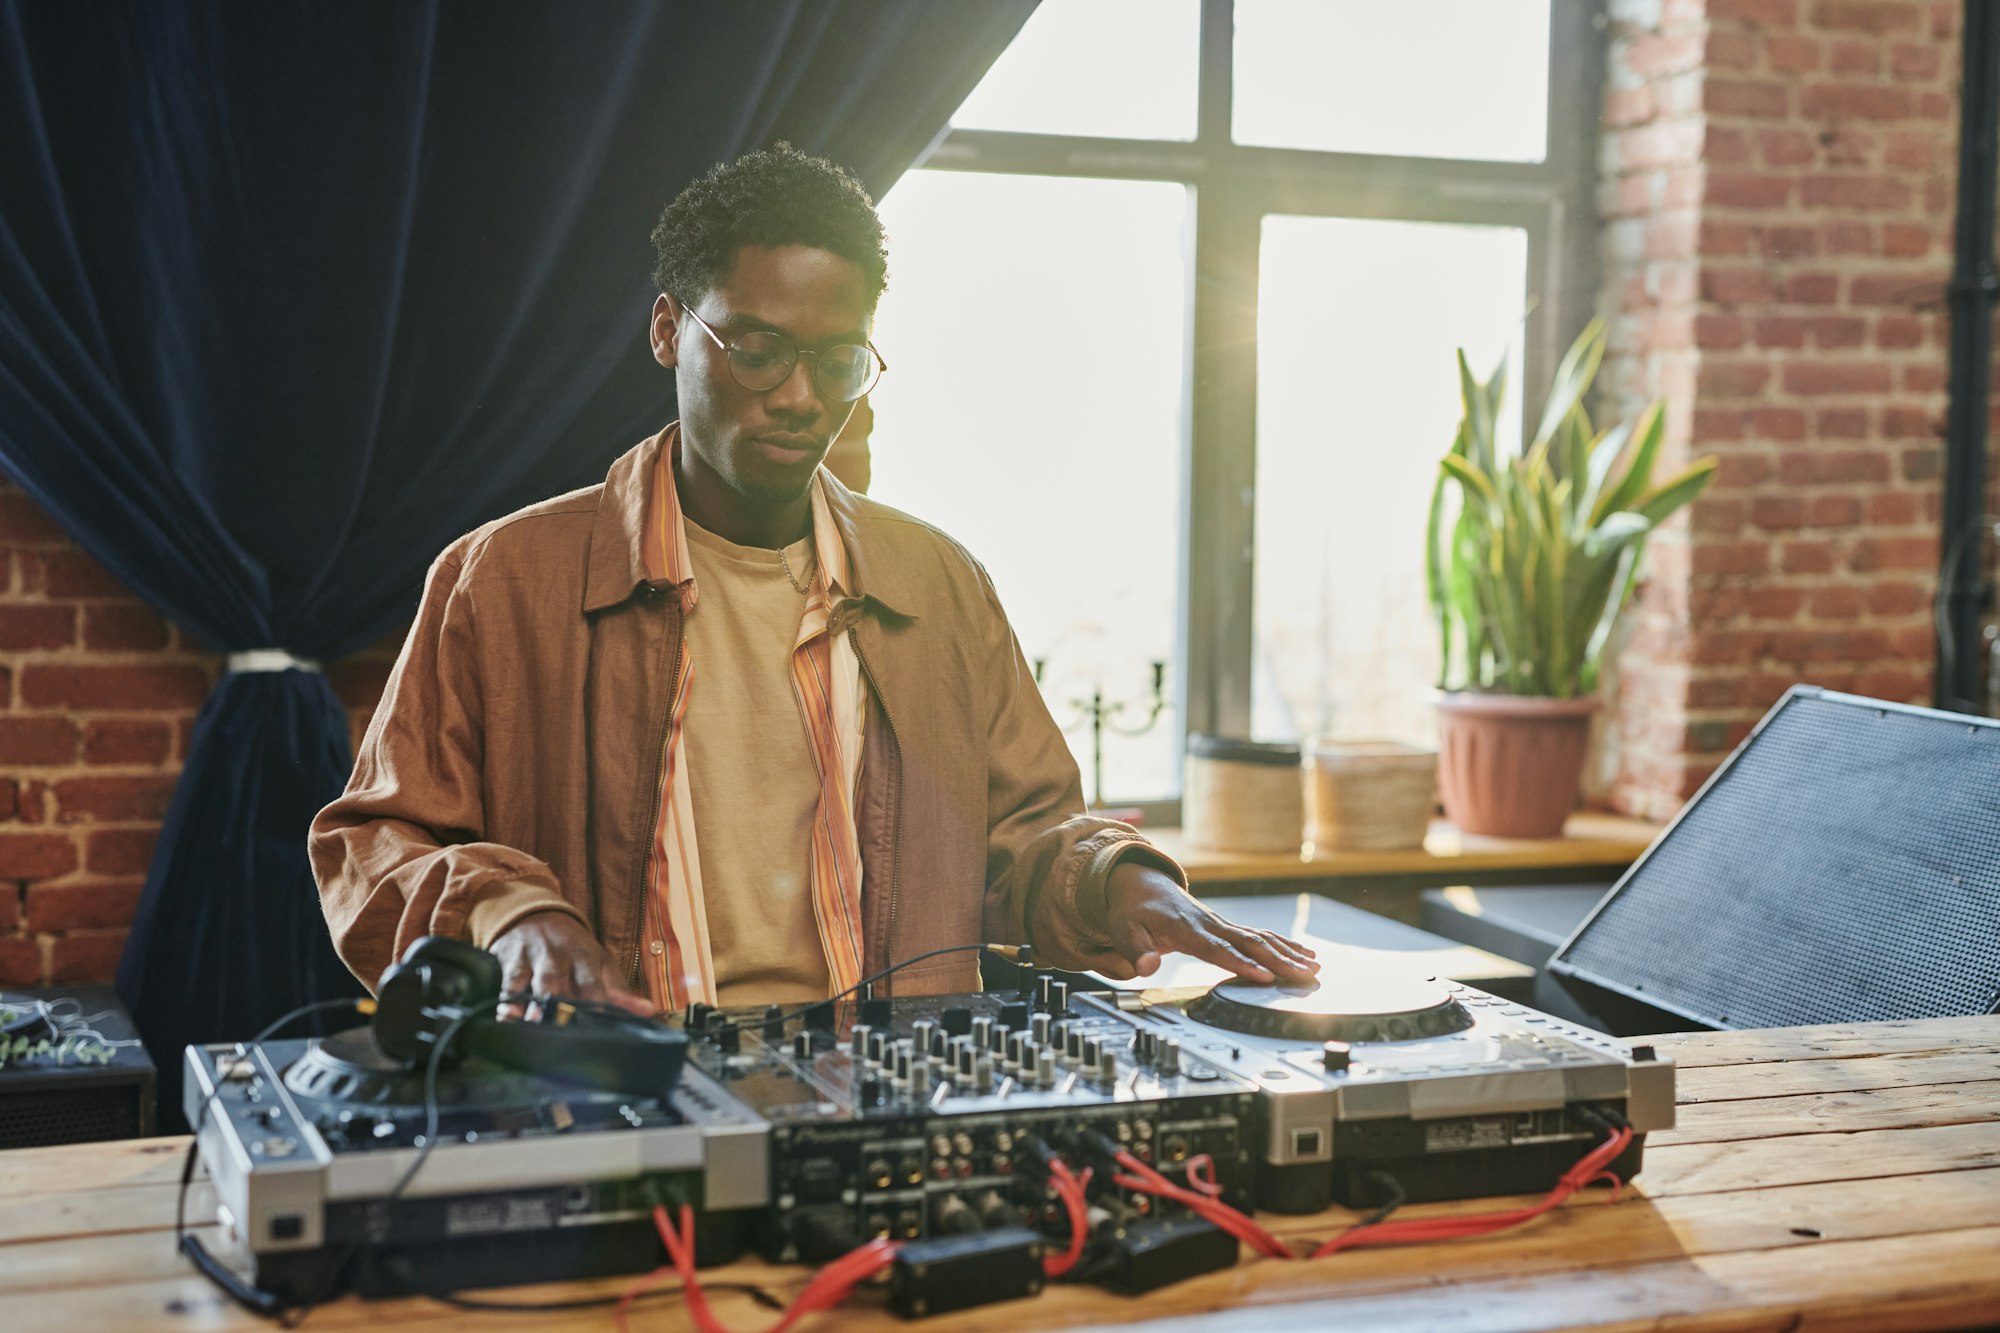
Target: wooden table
x=1594 y=847
x=1842 y=1177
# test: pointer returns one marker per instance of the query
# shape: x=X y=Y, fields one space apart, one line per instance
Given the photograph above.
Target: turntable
x=1375 y=1074
x=530 y=1178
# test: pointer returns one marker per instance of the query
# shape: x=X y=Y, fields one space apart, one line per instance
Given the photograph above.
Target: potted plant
x=1527 y=583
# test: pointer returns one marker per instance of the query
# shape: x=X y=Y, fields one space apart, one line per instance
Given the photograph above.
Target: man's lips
x=796 y=445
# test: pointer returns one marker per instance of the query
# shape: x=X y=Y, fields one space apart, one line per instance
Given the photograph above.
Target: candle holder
x=1101 y=713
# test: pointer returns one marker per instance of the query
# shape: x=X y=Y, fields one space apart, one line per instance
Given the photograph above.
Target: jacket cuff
x=1092 y=899
x=505 y=903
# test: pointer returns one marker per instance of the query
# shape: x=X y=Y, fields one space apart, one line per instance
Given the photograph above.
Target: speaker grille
x=1843 y=866
x=45 y=1117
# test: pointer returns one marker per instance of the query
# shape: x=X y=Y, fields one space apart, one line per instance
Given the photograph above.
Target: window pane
x=1121 y=69
x=1036 y=332
x=1357 y=398
x=1445 y=78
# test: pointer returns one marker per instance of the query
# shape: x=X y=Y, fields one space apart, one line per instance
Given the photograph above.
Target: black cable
x=258 y=1302
x=755 y=1293
x=445 y=1039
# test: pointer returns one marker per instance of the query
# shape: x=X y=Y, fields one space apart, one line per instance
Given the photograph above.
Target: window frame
x=1235 y=186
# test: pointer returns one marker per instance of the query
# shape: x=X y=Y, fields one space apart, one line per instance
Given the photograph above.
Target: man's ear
x=666 y=331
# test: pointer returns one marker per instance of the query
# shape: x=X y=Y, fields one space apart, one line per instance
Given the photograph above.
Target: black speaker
x=71 y=1069
x=1843 y=865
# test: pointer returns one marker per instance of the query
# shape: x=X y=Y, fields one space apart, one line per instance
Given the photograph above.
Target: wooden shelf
x=1612 y=841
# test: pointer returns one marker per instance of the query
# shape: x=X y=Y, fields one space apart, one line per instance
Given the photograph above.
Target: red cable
x=1146 y=1180
x=1590 y=1168
x=1070 y=1190
x=828 y=1287
x=1201 y=1175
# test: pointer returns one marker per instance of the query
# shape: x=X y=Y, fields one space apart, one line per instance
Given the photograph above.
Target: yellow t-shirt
x=750 y=772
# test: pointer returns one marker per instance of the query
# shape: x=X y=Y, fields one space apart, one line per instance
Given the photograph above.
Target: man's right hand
x=551 y=953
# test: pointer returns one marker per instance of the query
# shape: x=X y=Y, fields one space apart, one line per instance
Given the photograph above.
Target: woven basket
x=1371 y=796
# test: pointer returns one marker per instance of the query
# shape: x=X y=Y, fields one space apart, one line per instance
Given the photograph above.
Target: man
x=721 y=730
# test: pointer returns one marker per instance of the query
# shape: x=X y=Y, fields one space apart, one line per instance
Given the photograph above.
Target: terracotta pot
x=1511 y=765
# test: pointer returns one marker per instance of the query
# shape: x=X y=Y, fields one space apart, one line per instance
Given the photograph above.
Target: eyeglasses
x=761 y=360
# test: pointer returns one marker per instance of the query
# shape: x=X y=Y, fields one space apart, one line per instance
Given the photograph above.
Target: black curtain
x=292 y=295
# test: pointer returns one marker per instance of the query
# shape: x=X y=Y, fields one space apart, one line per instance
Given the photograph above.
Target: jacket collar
x=616 y=566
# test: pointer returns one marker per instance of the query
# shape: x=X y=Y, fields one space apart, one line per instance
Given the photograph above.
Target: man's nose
x=796 y=395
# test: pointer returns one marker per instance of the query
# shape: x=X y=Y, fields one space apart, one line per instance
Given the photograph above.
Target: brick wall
x=97 y=701
x=1777 y=195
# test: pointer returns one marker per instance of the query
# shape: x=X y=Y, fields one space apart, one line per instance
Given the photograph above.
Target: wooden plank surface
x=1828 y=1196
x=1590 y=839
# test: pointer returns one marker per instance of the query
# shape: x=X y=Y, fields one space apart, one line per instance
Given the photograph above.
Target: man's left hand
x=1150 y=915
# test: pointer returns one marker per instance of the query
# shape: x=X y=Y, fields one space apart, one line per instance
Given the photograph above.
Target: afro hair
x=775 y=196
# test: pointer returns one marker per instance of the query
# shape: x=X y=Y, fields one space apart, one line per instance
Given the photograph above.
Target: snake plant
x=1528 y=581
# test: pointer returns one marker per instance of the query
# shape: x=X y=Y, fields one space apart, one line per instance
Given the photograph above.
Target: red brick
x=24 y=523
x=1781 y=331
x=1729 y=558
x=1729 y=645
x=1849 y=236
x=1778 y=423
x=1896 y=288
x=1791 y=53
x=1715 y=514
x=57 y=907
x=1775 y=603
x=1735 y=286
x=1714 y=692
x=1906 y=240
x=1786 y=148
x=1719 y=332
x=110 y=800
x=1853 y=57
x=1761 y=98
x=10 y=797
x=1807 y=466
x=1826 y=377
x=1793 y=242
x=123 y=626
x=1727 y=48
x=1910 y=423
x=1944 y=18
x=1840 y=602
x=1838 y=331
x=1856 y=101
x=1899 y=331
x=1812 y=288
x=1806 y=557
x=1841 y=423
x=1722 y=146
x=37 y=740
x=1866 y=193
x=1720 y=237
x=1936 y=106
x=121 y=688
x=1733 y=379
x=126 y=741
x=1742 y=189
x=1662 y=53
x=1890 y=508
x=1925 y=464
x=1884 y=552
x=1741 y=470
x=86 y=957
x=1826 y=645
x=74 y=574
x=1897 y=599
x=1923 y=378
x=1907 y=60
x=1846 y=146
x=1833 y=511
x=1762 y=13
x=1923 y=151
x=1672 y=235
x=31 y=801
x=119 y=851
x=10 y=909
x=1871 y=16
x=1627 y=106
x=1773 y=512
x=25 y=627
x=20 y=962
x=36 y=855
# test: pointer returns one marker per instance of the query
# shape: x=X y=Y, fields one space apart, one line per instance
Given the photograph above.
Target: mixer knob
x=802 y=1045
x=728 y=1037
x=774 y=1021
x=940 y=1044
x=1169 y=1057
x=920 y=1080
x=877 y=1013
x=1143 y=1046
x=966 y=1059
x=873 y=1092
x=920 y=1033
x=1336 y=1056
x=1107 y=1066
x=1039 y=1026
x=982 y=1031
x=1091 y=1047
x=1016 y=1043
x=902 y=1064
x=982 y=1073
x=860 y=1040
x=1013 y=1015
x=1073 y=1044
x=1043 y=981
x=879 y=1047
x=1045 y=1067
x=1058 y=997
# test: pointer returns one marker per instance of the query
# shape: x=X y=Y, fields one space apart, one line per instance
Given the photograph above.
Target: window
x=1173 y=310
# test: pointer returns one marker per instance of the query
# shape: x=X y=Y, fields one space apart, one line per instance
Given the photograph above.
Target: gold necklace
x=803 y=589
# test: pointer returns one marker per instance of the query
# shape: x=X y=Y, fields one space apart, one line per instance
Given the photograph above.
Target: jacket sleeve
x=1047 y=861
x=401 y=854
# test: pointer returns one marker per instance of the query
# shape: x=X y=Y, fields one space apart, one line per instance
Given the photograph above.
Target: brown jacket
x=513 y=765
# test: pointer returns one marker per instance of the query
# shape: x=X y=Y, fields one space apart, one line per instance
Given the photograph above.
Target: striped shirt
x=826 y=683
